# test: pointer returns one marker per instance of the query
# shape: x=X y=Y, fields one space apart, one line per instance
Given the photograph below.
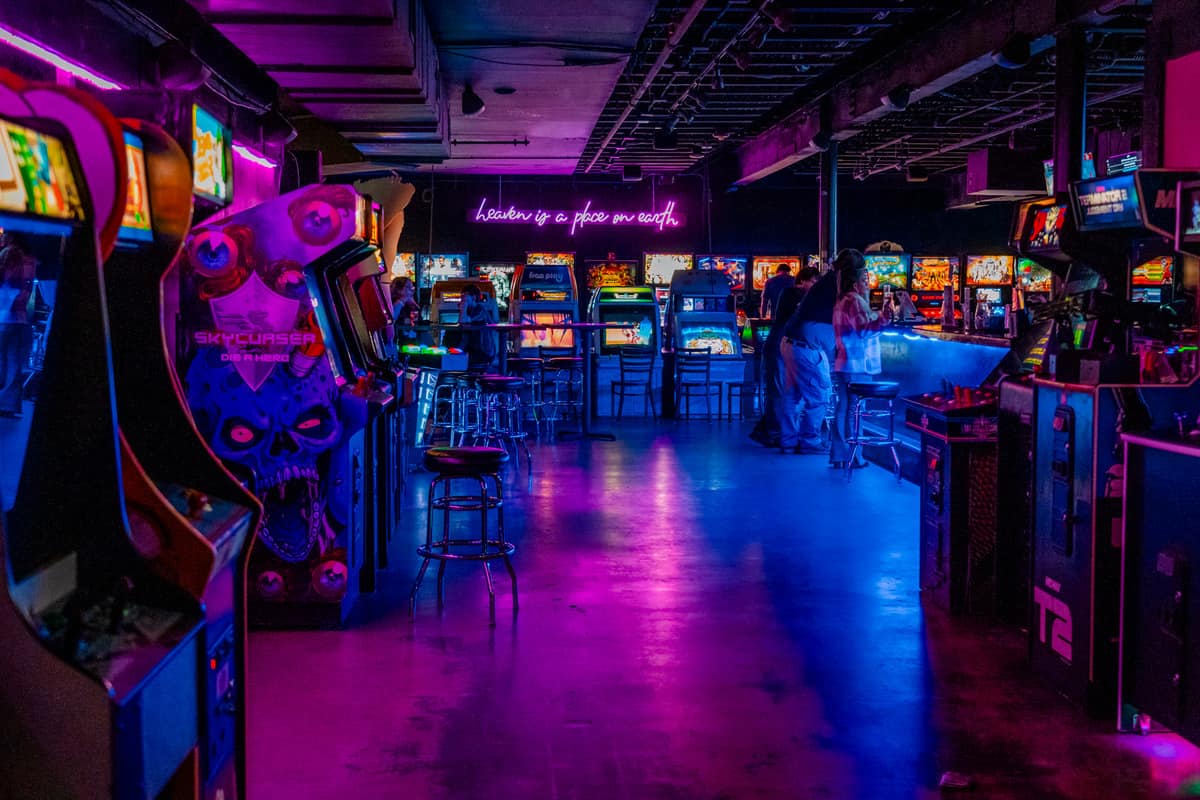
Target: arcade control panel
x=964 y=413
x=444 y=358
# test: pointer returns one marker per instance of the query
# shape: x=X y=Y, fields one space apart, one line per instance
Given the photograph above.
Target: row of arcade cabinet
x=655 y=270
x=122 y=535
x=199 y=430
x=1092 y=541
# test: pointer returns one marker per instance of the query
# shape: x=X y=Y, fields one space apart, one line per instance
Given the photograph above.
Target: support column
x=1070 y=110
x=1174 y=31
x=827 y=203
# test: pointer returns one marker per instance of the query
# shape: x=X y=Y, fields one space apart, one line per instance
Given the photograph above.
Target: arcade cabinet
x=1103 y=384
x=354 y=308
x=607 y=273
x=544 y=294
x=500 y=275
x=436 y=267
x=102 y=657
x=259 y=363
x=446 y=300
x=627 y=305
x=203 y=516
x=1159 y=655
x=930 y=277
x=657 y=269
x=886 y=271
x=989 y=282
x=762 y=270
x=700 y=315
x=732 y=267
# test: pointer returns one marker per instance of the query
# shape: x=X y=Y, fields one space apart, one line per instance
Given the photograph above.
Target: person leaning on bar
x=857 y=358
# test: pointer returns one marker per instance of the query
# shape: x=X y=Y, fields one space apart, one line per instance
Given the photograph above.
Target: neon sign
x=668 y=217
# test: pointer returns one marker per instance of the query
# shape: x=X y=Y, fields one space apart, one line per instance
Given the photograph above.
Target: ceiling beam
x=931 y=62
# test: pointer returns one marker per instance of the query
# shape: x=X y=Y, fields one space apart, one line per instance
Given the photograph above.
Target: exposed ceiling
x=999 y=107
x=738 y=67
x=584 y=87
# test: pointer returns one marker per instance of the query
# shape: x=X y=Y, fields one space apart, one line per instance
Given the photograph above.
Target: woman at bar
x=856 y=330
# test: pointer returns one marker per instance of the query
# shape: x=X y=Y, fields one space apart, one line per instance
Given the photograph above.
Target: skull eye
x=240 y=434
x=315 y=423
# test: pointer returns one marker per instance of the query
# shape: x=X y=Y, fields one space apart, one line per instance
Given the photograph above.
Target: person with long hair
x=857 y=356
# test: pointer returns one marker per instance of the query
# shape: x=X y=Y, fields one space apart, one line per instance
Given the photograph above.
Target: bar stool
x=859 y=395
x=751 y=390
x=531 y=394
x=447 y=403
x=500 y=413
x=476 y=464
x=565 y=375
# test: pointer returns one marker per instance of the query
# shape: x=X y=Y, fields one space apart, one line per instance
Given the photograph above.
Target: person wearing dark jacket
x=766 y=432
x=805 y=386
x=773 y=289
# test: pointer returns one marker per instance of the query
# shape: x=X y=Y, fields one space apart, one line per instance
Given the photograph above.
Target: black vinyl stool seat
x=564 y=362
x=499 y=383
x=478 y=464
x=464 y=460
x=880 y=390
x=860 y=393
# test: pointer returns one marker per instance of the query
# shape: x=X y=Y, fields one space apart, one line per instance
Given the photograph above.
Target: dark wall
x=767 y=218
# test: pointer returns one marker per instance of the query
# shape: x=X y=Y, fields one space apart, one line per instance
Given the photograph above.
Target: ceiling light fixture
x=43 y=53
x=472 y=104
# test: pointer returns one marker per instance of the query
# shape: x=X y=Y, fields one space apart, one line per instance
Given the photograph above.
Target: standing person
x=812 y=322
x=767 y=431
x=773 y=289
x=479 y=343
x=16 y=332
x=856 y=329
x=805 y=387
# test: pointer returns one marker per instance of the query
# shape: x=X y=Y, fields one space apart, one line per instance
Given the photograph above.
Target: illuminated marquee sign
x=667 y=218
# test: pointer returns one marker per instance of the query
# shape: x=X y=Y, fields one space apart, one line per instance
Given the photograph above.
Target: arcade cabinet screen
x=1190 y=213
x=1087 y=171
x=1046 y=230
x=733 y=267
x=887 y=270
x=641 y=333
x=765 y=266
x=932 y=273
x=500 y=275
x=813 y=261
x=1155 y=272
x=1033 y=277
x=552 y=337
x=404 y=265
x=1143 y=294
x=35 y=175
x=717 y=340
x=661 y=266
x=547 y=259
x=988 y=296
x=611 y=273
x=135 y=225
x=212 y=144
x=441 y=266
x=990 y=270
x=1107 y=203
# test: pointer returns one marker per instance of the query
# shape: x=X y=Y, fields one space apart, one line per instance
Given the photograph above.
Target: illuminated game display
x=48 y=184
x=813 y=261
x=1187 y=226
x=1033 y=277
x=212 y=144
x=990 y=270
x=553 y=337
x=1154 y=272
x=135 y=224
x=640 y=334
x=1107 y=203
x=659 y=267
x=887 y=270
x=717 y=339
x=764 y=268
x=405 y=266
x=1045 y=230
x=932 y=273
x=611 y=272
x=441 y=266
x=733 y=267
x=549 y=259
x=500 y=275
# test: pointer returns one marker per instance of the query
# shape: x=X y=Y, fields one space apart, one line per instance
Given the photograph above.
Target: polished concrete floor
x=700 y=618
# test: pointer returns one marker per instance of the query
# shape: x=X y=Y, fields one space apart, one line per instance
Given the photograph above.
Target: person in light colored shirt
x=856 y=329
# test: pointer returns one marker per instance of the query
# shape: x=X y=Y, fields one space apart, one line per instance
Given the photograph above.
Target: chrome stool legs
x=860 y=439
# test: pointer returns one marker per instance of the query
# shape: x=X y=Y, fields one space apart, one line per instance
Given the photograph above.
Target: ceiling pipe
x=950 y=148
x=676 y=37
